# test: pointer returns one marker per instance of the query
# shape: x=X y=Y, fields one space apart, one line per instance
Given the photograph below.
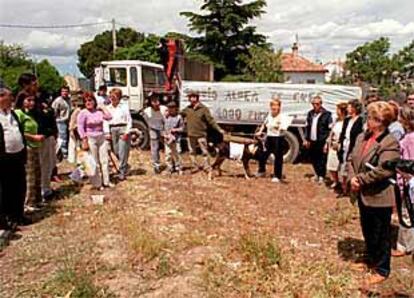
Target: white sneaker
x=275 y=180
x=110 y=185
x=321 y=180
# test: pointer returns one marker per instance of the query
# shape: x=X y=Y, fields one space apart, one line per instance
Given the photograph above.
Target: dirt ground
x=185 y=236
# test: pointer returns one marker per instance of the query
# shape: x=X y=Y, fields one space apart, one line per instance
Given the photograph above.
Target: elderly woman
x=405 y=243
x=91 y=131
x=371 y=186
x=275 y=124
x=352 y=127
x=119 y=128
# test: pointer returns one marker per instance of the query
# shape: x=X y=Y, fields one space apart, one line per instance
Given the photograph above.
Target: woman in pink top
x=91 y=131
x=405 y=243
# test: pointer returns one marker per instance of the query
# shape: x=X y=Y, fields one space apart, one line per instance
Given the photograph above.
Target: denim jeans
x=172 y=156
x=63 y=138
x=121 y=148
x=155 y=136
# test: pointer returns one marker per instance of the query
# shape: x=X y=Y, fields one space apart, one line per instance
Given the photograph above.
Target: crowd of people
x=35 y=134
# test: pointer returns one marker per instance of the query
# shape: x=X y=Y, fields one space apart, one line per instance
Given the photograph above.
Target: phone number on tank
x=238 y=114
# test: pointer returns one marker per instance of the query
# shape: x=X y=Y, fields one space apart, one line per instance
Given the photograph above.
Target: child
x=174 y=126
x=155 y=117
x=25 y=110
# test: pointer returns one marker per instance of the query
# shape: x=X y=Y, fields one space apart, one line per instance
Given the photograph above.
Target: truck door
x=135 y=92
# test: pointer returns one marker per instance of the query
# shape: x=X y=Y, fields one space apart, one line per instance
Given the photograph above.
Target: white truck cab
x=134 y=77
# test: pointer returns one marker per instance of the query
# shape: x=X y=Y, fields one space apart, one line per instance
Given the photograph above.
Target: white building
x=299 y=70
x=335 y=70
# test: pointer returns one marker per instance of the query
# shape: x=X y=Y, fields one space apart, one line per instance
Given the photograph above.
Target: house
x=299 y=70
x=335 y=70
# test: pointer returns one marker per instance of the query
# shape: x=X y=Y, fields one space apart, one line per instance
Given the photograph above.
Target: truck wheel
x=291 y=147
x=139 y=135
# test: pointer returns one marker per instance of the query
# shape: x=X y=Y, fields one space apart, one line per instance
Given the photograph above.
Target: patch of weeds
x=341 y=215
x=164 y=267
x=263 y=250
x=218 y=280
x=193 y=239
x=319 y=279
x=144 y=243
x=75 y=284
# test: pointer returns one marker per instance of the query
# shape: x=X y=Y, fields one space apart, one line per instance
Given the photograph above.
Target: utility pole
x=113 y=37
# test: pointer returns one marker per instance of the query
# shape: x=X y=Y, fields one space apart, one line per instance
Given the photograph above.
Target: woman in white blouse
x=119 y=128
x=332 y=144
x=274 y=123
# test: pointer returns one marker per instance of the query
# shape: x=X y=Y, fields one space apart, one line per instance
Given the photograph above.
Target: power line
x=24 y=26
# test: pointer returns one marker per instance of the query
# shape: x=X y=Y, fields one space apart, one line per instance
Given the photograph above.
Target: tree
x=14 y=61
x=225 y=36
x=404 y=61
x=48 y=76
x=145 y=50
x=371 y=62
x=91 y=53
x=264 y=65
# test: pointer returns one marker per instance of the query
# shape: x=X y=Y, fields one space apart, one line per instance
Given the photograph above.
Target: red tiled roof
x=295 y=63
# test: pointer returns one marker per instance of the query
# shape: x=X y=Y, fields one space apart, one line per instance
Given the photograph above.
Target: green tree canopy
x=100 y=48
x=264 y=65
x=48 y=76
x=14 y=61
x=145 y=50
x=374 y=64
x=225 y=33
x=371 y=62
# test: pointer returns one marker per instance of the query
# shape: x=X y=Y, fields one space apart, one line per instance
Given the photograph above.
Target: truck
x=237 y=107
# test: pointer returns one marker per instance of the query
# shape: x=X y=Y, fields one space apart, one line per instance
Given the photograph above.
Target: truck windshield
x=149 y=76
x=117 y=77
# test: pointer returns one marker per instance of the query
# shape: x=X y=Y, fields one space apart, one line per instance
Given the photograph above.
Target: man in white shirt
x=318 y=129
x=12 y=164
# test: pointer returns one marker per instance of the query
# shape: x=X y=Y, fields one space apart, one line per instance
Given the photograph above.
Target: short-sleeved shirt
x=276 y=125
x=13 y=139
x=30 y=126
x=273 y=125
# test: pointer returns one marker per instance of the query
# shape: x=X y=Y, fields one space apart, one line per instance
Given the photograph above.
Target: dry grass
x=144 y=243
x=185 y=236
x=341 y=214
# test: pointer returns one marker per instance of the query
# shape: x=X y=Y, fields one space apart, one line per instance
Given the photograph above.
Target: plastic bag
x=87 y=162
x=77 y=175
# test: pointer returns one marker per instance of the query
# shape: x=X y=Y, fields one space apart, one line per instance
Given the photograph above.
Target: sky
x=327 y=29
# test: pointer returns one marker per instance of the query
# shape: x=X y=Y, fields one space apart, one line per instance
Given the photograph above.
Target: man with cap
x=154 y=115
x=199 y=120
